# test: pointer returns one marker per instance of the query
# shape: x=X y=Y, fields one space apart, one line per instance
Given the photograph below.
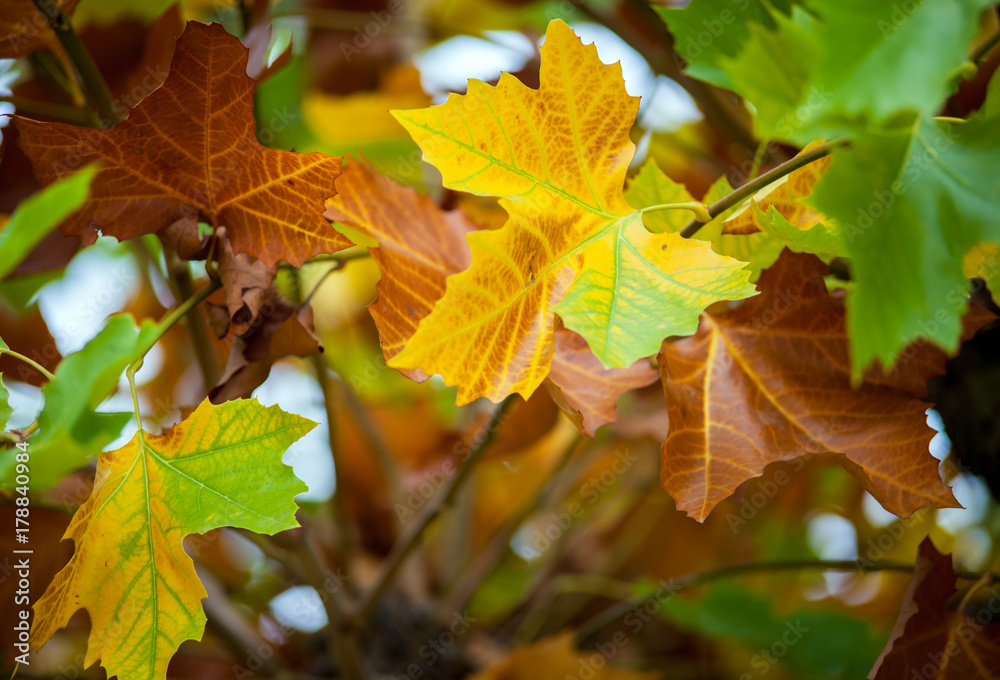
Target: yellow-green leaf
x=557 y=157
x=220 y=467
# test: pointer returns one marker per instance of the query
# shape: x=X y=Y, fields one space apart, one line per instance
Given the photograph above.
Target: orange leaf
x=584 y=389
x=419 y=246
x=933 y=640
x=771 y=381
x=188 y=151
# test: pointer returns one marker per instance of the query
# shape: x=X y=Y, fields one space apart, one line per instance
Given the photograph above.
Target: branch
x=596 y=624
x=415 y=530
x=752 y=187
x=90 y=75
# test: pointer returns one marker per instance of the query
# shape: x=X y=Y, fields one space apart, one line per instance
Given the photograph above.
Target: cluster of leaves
x=591 y=283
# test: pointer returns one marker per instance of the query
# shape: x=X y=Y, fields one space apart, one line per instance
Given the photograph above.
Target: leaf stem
x=985 y=48
x=31 y=362
x=586 y=583
x=180 y=311
x=183 y=288
x=699 y=209
x=68 y=114
x=753 y=186
x=90 y=75
x=415 y=530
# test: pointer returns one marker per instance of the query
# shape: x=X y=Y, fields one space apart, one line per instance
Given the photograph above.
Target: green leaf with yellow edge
x=557 y=157
x=636 y=288
x=219 y=468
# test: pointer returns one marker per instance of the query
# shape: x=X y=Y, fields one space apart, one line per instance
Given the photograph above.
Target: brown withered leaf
x=159 y=166
x=584 y=389
x=936 y=638
x=25 y=29
x=770 y=381
x=419 y=246
x=247 y=282
x=281 y=330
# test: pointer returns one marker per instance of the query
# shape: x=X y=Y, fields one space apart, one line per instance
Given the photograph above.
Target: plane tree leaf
x=420 y=245
x=835 y=66
x=39 y=214
x=910 y=213
x=557 y=157
x=771 y=381
x=933 y=638
x=71 y=431
x=5 y=410
x=584 y=389
x=219 y=467
x=188 y=153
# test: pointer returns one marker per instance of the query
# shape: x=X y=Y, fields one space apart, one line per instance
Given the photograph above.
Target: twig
x=68 y=114
x=345 y=534
x=596 y=624
x=415 y=530
x=752 y=187
x=180 y=278
x=91 y=77
x=479 y=567
x=342 y=641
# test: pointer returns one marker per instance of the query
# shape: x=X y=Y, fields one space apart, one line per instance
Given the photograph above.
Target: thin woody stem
x=750 y=188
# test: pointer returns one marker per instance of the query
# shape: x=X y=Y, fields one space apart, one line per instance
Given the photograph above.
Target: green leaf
x=220 y=467
x=912 y=202
x=636 y=288
x=813 y=643
x=707 y=31
x=652 y=186
x=839 y=66
x=5 y=410
x=70 y=431
x=39 y=214
x=820 y=239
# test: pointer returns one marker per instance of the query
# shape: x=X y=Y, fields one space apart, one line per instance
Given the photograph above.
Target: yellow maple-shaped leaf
x=557 y=157
x=220 y=467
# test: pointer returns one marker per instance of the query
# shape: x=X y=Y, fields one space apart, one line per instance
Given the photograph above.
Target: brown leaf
x=935 y=641
x=281 y=330
x=189 y=149
x=584 y=389
x=419 y=246
x=770 y=381
x=247 y=282
x=25 y=332
x=25 y=29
